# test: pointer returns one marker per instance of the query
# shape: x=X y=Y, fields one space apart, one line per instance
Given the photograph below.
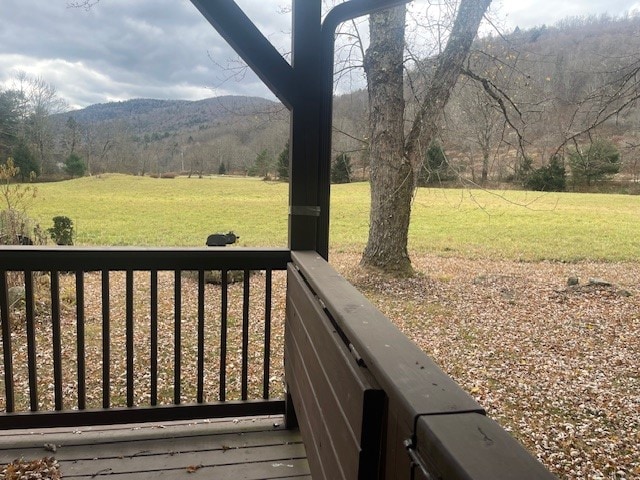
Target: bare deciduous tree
x=394 y=157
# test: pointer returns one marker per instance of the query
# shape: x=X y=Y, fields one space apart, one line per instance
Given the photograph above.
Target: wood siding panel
x=339 y=407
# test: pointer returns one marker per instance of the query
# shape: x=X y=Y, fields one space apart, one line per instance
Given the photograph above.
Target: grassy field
x=555 y=364
x=126 y=210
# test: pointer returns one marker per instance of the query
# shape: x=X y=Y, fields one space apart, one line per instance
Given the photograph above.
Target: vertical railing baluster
x=31 y=340
x=129 y=337
x=57 y=340
x=154 y=337
x=245 y=336
x=106 y=343
x=224 y=314
x=267 y=334
x=82 y=385
x=242 y=376
x=5 y=318
x=177 y=340
x=200 y=393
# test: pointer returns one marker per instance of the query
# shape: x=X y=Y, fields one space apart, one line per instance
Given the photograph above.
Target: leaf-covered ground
x=557 y=365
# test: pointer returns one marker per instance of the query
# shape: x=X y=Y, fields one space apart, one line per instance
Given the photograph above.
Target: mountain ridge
x=149 y=115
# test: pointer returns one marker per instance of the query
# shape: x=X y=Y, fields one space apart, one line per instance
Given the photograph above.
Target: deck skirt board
x=248 y=449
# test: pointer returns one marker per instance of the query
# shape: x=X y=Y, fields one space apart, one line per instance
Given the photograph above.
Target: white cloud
x=123 y=49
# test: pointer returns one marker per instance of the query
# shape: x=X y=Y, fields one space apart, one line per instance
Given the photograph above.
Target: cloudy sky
x=122 y=49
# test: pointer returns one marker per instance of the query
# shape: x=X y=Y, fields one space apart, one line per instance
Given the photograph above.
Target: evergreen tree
x=341 y=169
x=435 y=167
x=283 y=163
x=548 y=178
x=261 y=166
x=222 y=169
x=74 y=165
x=25 y=160
x=601 y=160
x=9 y=120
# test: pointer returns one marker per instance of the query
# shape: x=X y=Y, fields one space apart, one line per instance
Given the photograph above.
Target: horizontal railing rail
x=433 y=429
x=118 y=335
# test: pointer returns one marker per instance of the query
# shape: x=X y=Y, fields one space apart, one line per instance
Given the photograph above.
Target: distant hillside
x=152 y=116
x=554 y=83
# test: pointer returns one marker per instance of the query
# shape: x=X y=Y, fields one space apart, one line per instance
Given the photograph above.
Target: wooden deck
x=248 y=448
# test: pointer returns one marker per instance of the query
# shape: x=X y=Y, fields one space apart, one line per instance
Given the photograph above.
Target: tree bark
x=391 y=174
x=394 y=161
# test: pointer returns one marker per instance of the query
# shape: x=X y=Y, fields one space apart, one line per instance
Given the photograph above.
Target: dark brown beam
x=248 y=42
x=356 y=8
x=306 y=88
x=304 y=206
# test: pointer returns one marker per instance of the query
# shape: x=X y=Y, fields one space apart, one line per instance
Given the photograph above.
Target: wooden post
x=305 y=210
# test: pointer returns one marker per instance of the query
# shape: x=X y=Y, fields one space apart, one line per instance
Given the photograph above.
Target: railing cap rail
x=403 y=370
x=45 y=258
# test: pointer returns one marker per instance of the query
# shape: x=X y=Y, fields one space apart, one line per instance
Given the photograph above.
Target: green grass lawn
x=127 y=210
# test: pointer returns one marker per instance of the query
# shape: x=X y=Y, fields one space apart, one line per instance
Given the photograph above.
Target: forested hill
x=144 y=115
x=560 y=86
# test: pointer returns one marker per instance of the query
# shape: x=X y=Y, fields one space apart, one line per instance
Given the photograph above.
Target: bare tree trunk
x=391 y=173
x=485 y=166
x=392 y=160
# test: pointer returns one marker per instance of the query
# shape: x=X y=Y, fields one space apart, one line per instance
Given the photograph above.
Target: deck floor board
x=249 y=449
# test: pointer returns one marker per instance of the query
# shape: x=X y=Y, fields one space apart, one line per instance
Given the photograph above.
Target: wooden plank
x=115 y=448
x=473 y=446
x=248 y=448
x=42 y=258
x=141 y=414
x=210 y=458
x=311 y=418
x=342 y=382
x=289 y=469
x=398 y=364
x=339 y=408
x=135 y=432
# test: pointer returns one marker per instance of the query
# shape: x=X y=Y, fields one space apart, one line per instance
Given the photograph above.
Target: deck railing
x=371 y=404
x=93 y=336
x=127 y=335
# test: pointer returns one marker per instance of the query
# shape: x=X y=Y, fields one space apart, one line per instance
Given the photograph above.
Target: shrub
x=548 y=178
x=16 y=228
x=62 y=230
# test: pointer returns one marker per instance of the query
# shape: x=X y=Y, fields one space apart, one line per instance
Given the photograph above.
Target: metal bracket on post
x=305 y=210
x=416 y=461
